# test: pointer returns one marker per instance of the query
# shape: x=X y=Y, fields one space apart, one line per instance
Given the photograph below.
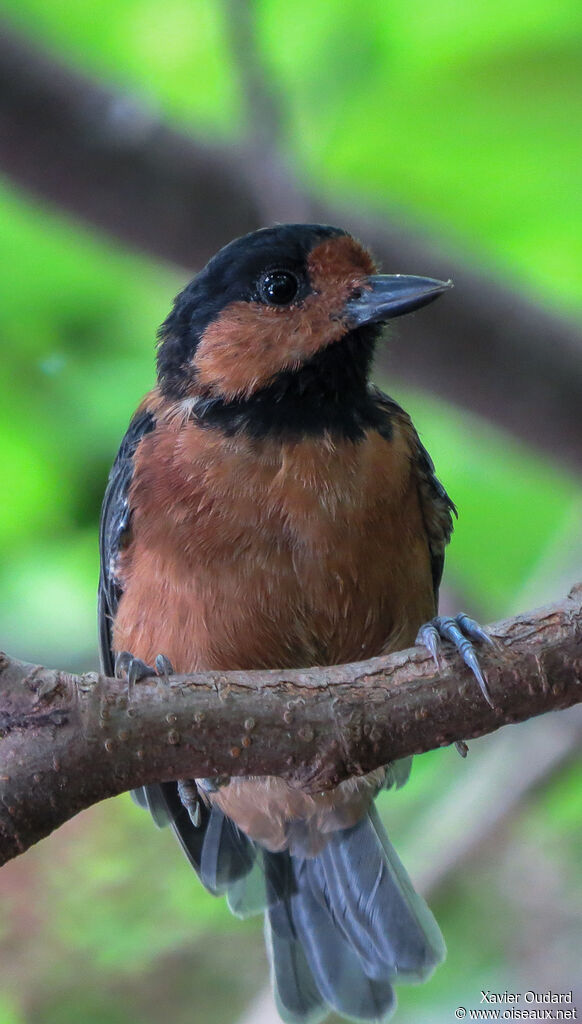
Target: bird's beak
x=384 y=296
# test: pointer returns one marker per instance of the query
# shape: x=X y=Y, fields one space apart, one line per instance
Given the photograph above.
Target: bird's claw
x=429 y=637
x=461 y=631
x=188 y=793
x=134 y=669
x=164 y=667
x=122 y=661
x=473 y=630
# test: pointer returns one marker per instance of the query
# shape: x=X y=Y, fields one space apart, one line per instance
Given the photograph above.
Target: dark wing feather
x=438 y=511
x=115 y=520
x=437 y=508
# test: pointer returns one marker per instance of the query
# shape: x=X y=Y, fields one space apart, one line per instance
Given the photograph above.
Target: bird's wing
x=436 y=506
x=114 y=532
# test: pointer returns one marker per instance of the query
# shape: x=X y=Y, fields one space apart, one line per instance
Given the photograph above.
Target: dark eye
x=278 y=287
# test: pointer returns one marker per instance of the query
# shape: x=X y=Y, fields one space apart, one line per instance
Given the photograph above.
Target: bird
x=270 y=507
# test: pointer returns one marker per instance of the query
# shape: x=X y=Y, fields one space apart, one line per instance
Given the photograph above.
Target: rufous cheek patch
x=339 y=265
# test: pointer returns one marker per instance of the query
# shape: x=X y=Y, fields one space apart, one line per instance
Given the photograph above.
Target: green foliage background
x=463 y=118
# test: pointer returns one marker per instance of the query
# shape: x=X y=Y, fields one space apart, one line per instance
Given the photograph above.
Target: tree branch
x=68 y=741
x=265 y=118
x=108 y=158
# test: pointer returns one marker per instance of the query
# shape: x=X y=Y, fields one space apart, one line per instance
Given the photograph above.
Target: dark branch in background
x=105 y=156
x=265 y=118
x=68 y=741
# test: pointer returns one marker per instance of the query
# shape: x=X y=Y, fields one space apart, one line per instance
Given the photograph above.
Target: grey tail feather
x=372 y=902
x=298 y=998
x=340 y=973
x=360 y=926
x=152 y=799
x=227 y=853
x=341 y=927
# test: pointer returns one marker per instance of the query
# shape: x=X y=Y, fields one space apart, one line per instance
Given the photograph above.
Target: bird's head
x=281 y=324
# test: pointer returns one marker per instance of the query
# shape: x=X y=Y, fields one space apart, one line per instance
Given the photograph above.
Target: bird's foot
x=134 y=669
x=461 y=631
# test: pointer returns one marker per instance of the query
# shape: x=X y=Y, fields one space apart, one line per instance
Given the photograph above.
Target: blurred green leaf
x=9 y=1013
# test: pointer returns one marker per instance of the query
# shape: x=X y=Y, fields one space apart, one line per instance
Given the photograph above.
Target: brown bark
x=68 y=741
x=104 y=155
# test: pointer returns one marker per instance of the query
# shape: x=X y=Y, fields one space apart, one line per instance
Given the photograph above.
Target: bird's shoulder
x=437 y=507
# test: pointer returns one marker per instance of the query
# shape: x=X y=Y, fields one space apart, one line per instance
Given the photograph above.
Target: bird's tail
x=346 y=925
x=341 y=927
